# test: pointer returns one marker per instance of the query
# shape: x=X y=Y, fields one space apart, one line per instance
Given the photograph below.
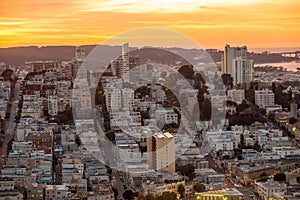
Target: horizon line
x=252 y=49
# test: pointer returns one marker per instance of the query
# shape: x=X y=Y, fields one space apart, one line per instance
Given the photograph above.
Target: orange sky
x=212 y=23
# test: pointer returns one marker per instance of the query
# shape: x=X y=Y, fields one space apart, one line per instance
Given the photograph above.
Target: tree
x=249 y=94
x=167 y=196
x=244 y=105
x=115 y=191
x=271 y=116
x=109 y=170
x=129 y=195
x=205 y=112
x=187 y=170
x=227 y=80
x=77 y=140
x=199 y=187
x=280 y=176
x=181 y=190
x=110 y=135
x=292 y=120
x=187 y=71
x=149 y=197
x=6 y=74
x=262 y=111
x=263 y=179
x=242 y=140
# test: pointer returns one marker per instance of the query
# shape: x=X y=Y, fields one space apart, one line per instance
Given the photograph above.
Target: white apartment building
x=264 y=98
x=52 y=105
x=167 y=116
x=242 y=70
x=113 y=100
x=128 y=98
x=125 y=63
x=236 y=95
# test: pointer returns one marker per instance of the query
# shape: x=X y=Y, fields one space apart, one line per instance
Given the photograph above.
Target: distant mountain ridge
x=19 y=55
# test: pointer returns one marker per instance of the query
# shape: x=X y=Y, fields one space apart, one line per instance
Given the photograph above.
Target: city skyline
x=255 y=23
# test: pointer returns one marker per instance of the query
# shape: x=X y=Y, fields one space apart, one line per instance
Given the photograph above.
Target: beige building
x=7 y=184
x=230 y=53
x=269 y=188
x=225 y=194
x=11 y=195
x=161 y=152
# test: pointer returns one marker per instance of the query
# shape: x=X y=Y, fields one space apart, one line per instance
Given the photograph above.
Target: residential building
x=35 y=191
x=250 y=172
x=11 y=195
x=52 y=105
x=242 y=71
x=57 y=192
x=235 y=95
x=7 y=184
x=161 y=152
x=267 y=189
x=264 y=98
x=166 y=116
x=228 y=193
x=231 y=53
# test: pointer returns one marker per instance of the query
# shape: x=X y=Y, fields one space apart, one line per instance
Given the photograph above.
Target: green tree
x=242 y=140
x=6 y=74
x=249 y=94
x=181 y=190
x=149 y=197
x=244 y=105
x=262 y=111
x=280 y=176
x=187 y=170
x=77 y=140
x=167 y=196
x=227 y=80
x=205 y=112
x=110 y=135
x=263 y=179
x=187 y=71
x=199 y=187
x=292 y=120
x=129 y=195
x=115 y=191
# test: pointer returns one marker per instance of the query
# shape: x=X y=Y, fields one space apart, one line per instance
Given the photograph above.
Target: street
x=111 y=158
x=9 y=130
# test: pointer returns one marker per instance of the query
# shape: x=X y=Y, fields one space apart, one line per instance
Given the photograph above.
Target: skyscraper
x=120 y=66
x=78 y=60
x=161 y=152
x=125 y=64
x=230 y=53
x=236 y=64
x=242 y=70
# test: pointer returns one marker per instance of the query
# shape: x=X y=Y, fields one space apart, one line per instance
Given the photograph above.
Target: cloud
x=210 y=22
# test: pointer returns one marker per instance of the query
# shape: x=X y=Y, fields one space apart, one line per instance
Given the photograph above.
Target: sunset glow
x=212 y=23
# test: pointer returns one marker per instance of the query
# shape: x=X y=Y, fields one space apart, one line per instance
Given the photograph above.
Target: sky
x=211 y=23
